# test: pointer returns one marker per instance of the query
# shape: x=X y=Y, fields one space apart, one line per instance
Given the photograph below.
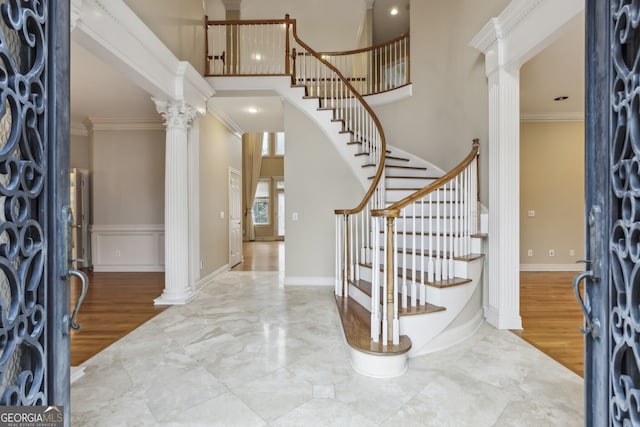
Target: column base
x=502 y=320
x=175 y=298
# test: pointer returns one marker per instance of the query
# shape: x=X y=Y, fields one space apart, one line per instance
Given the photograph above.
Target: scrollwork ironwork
x=23 y=117
x=624 y=246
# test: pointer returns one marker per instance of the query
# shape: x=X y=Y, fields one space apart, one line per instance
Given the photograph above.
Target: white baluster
x=338 y=290
x=423 y=286
x=404 y=258
x=452 y=236
x=431 y=266
x=375 y=282
x=385 y=284
x=414 y=251
x=396 y=322
x=438 y=273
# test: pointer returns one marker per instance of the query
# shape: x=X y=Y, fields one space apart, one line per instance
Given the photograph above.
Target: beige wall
x=219 y=150
x=449 y=106
x=318 y=181
x=127 y=177
x=79 y=156
x=179 y=24
x=318 y=23
x=552 y=184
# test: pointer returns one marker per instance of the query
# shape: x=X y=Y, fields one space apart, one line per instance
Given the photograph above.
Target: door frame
x=233 y=171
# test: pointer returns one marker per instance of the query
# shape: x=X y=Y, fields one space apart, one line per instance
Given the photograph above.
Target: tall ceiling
x=100 y=91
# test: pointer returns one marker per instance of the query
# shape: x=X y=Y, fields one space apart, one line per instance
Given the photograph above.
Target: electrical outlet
x=294 y=216
x=572 y=252
x=530 y=252
x=531 y=213
x=118 y=252
x=552 y=252
x=221 y=214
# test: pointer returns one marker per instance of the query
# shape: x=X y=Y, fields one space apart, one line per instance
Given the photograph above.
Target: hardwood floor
x=116 y=304
x=262 y=256
x=551 y=317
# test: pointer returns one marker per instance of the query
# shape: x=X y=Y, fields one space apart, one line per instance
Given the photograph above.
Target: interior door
x=612 y=277
x=34 y=194
x=235 y=217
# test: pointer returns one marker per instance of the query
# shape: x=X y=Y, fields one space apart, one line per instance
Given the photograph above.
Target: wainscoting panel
x=128 y=247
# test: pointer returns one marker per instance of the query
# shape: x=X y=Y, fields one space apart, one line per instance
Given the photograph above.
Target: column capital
x=176 y=114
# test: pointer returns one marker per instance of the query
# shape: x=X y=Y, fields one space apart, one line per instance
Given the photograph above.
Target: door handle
x=591 y=326
x=83 y=293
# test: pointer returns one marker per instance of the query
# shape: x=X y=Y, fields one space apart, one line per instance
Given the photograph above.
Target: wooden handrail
x=392 y=211
x=366 y=49
x=251 y=22
x=383 y=142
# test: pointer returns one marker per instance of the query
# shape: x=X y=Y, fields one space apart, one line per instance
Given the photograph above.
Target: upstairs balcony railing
x=265 y=47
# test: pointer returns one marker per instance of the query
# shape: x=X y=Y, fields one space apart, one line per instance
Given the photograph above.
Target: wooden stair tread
x=356 y=323
x=447 y=283
x=427 y=308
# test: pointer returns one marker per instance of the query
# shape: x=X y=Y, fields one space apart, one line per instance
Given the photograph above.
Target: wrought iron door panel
x=23 y=197
x=624 y=258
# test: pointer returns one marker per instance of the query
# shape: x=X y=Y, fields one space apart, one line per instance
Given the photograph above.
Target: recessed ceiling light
x=394 y=11
x=257 y=56
x=252 y=110
x=561 y=98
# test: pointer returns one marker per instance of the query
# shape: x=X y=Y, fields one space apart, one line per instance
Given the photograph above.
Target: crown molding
x=124 y=123
x=553 y=117
x=225 y=120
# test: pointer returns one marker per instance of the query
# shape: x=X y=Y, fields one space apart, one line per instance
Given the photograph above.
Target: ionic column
x=178 y=118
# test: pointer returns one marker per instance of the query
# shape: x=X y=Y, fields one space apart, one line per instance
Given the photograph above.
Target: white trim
x=309 y=281
x=453 y=336
x=114 y=33
x=224 y=119
x=127 y=247
x=78 y=129
x=209 y=278
x=552 y=117
x=390 y=96
x=551 y=267
x=125 y=123
x=75 y=373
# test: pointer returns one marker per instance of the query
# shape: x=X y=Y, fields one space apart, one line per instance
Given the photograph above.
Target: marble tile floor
x=249 y=352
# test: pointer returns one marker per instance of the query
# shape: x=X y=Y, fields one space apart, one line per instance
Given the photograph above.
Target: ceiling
x=386 y=26
x=100 y=91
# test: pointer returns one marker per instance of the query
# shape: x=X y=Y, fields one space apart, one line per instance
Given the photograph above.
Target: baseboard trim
x=501 y=322
x=309 y=281
x=209 y=278
x=551 y=267
x=75 y=373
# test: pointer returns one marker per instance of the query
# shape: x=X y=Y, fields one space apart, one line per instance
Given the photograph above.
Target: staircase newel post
x=287 y=66
x=294 y=55
x=390 y=254
x=476 y=143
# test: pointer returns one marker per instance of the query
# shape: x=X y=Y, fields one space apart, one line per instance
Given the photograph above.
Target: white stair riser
x=460 y=269
x=406 y=172
x=408 y=223
x=442 y=209
x=423 y=241
x=396 y=195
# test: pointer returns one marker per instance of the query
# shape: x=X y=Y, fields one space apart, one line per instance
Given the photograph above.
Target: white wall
x=318 y=181
x=449 y=106
x=219 y=150
x=127 y=199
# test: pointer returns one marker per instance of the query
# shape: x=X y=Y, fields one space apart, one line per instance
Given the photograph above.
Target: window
x=265 y=145
x=280 y=144
x=261 y=203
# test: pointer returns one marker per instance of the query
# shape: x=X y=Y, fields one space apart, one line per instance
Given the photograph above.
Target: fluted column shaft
x=178 y=118
x=504 y=198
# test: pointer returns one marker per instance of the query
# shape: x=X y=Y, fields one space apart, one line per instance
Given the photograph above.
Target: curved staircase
x=409 y=256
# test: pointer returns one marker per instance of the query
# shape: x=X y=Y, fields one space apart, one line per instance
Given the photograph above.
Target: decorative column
x=502 y=289
x=178 y=118
x=503 y=310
